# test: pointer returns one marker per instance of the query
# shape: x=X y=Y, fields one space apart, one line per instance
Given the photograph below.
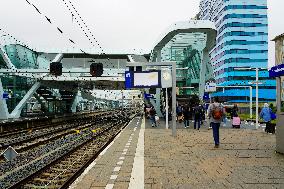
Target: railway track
x=14 y=138
x=28 y=136
x=59 y=167
x=63 y=172
x=47 y=135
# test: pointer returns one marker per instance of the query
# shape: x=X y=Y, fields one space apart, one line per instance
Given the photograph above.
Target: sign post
x=167 y=109
x=173 y=65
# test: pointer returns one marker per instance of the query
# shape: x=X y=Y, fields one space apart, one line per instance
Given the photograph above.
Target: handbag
x=272 y=115
x=157 y=118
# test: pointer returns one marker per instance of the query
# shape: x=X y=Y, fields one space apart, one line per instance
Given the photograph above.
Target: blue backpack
x=272 y=115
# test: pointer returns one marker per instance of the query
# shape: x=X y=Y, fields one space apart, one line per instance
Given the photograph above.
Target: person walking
x=152 y=113
x=215 y=114
x=186 y=116
x=203 y=115
x=236 y=121
x=197 y=115
x=265 y=114
x=234 y=111
x=179 y=113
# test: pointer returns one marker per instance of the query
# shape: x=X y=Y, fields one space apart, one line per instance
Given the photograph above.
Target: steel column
x=17 y=111
x=256 y=101
x=174 y=99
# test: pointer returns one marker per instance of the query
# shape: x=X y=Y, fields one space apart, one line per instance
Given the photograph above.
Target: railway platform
x=146 y=157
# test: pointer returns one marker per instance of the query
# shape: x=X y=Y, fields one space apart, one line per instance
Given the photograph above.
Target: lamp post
x=256 y=82
x=256 y=96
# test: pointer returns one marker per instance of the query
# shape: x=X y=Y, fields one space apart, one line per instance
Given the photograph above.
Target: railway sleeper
x=63 y=168
x=32 y=186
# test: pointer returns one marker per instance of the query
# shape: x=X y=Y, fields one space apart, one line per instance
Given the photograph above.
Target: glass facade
x=186 y=49
x=242 y=42
x=17 y=86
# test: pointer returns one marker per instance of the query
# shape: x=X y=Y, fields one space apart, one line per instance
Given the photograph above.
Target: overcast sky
x=119 y=26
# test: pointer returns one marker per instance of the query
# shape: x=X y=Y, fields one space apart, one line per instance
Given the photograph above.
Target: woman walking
x=265 y=114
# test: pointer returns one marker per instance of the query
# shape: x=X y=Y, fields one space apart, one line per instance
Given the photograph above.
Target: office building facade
x=241 y=46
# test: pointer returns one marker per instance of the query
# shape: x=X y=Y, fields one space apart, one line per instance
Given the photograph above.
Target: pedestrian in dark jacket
x=152 y=113
x=197 y=116
x=234 y=112
x=186 y=115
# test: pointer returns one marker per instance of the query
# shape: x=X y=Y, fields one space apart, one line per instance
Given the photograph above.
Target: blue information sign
x=206 y=96
x=277 y=71
x=148 y=96
x=5 y=95
x=128 y=79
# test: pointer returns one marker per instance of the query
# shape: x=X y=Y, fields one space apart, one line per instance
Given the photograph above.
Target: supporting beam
x=158 y=90
x=58 y=58
x=4 y=114
x=5 y=57
x=17 y=111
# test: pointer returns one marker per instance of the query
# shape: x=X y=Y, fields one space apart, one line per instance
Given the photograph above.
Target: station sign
x=210 y=87
x=128 y=79
x=148 y=96
x=277 y=71
x=5 y=95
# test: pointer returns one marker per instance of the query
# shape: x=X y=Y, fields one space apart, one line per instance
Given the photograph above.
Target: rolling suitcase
x=236 y=122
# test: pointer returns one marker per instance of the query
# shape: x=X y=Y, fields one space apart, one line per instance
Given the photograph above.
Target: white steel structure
x=182 y=42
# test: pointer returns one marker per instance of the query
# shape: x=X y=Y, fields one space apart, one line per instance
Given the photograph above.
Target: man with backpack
x=197 y=115
x=215 y=114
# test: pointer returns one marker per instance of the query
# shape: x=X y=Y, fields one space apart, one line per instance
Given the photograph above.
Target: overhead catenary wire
x=17 y=40
x=23 y=44
x=77 y=17
x=92 y=40
x=50 y=22
x=62 y=32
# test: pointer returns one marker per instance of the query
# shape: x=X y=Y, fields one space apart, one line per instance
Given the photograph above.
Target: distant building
x=242 y=42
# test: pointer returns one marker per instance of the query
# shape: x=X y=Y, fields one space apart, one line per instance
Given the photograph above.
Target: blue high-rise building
x=241 y=46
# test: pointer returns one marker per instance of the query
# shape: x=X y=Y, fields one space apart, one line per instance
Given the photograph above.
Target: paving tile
x=191 y=161
x=245 y=159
